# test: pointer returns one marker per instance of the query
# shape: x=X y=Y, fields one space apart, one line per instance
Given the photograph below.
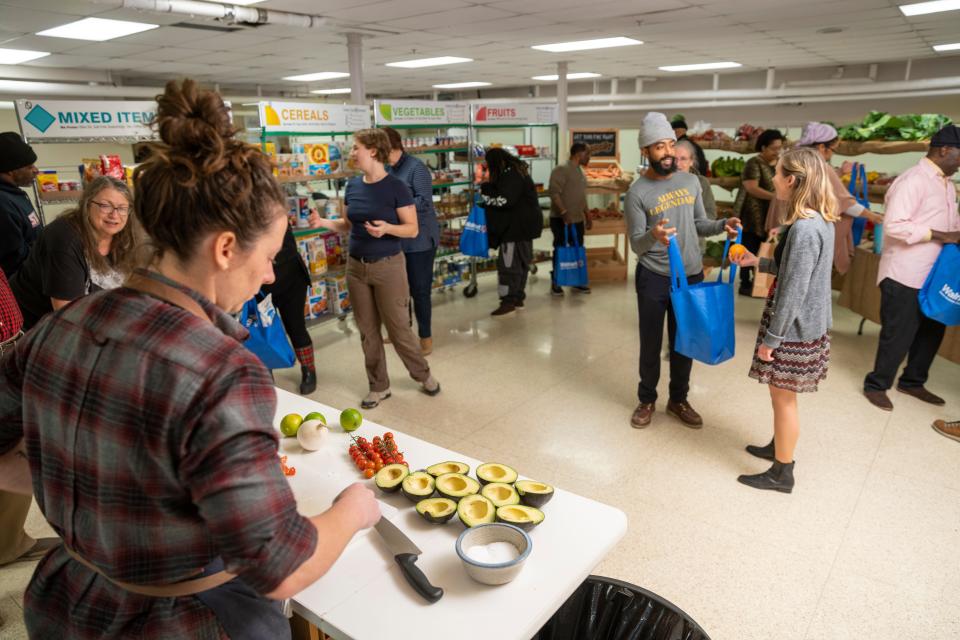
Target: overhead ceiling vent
x=206 y=27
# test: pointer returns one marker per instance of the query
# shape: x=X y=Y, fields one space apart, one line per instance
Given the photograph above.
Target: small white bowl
x=494 y=573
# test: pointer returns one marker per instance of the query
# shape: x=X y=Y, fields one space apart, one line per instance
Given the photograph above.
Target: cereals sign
x=421 y=112
x=518 y=114
x=50 y=120
x=312 y=117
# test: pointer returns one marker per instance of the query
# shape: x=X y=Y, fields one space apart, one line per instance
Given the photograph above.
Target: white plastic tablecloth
x=365 y=594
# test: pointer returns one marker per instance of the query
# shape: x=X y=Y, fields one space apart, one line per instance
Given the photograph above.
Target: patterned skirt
x=796 y=366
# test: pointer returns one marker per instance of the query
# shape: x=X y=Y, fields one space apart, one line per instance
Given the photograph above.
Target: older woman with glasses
x=87 y=249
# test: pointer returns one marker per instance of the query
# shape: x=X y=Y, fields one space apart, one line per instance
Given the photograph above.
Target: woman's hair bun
x=193 y=121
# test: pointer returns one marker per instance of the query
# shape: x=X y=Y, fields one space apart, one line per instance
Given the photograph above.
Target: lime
x=315 y=415
x=290 y=424
x=350 y=420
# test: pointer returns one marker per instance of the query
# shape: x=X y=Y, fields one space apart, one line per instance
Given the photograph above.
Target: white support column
x=771 y=75
x=906 y=75
x=562 y=125
x=355 y=62
x=614 y=86
x=638 y=85
x=716 y=82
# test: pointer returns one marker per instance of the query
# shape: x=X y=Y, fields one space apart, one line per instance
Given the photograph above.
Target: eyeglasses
x=108 y=208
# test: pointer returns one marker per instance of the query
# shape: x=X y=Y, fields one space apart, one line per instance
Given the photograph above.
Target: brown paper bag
x=763 y=281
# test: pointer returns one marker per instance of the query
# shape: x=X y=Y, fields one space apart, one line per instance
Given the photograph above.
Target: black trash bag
x=608 y=609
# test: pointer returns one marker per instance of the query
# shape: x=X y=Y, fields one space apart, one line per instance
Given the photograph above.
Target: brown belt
x=175 y=590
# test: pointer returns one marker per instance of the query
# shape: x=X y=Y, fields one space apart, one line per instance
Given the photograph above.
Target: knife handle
x=415 y=577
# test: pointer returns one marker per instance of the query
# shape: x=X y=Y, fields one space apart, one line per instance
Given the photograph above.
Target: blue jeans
x=420 y=277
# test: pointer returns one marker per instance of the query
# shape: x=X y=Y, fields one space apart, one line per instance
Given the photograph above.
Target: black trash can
x=608 y=609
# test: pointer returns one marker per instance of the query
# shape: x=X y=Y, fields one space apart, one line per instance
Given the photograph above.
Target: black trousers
x=556 y=226
x=289 y=296
x=752 y=242
x=420 y=277
x=513 y=267
x=653 y=303
x=904 y=332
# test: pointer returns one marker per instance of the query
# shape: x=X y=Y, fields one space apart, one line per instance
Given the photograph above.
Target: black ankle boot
x=779 y=477
x=308 y=384
x=762 y=452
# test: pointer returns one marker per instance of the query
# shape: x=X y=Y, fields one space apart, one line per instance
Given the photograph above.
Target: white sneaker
x=374 y=398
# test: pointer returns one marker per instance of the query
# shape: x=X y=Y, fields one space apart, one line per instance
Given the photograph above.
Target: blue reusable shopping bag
x=704 y=312
x=861 y=191
x=268 y=341
x=570 y=269
x=940 y=294
x=473 y=238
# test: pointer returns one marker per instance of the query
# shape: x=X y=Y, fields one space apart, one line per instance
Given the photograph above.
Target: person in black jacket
x=19 y=224
x=514 y=220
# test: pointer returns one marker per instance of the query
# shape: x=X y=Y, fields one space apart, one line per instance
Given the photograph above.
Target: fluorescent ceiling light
x=706 y=66
x=461 y=85
x=428 y=62
x=97 y=29
x=570 y=76
x=331 y=91
x=16 y=56
x=243 y=3
x=581 y=45
x=947 y=47
x=323 y=75
x=923 y=8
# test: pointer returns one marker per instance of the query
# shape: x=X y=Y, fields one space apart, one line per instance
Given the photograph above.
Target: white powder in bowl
x=493 y=553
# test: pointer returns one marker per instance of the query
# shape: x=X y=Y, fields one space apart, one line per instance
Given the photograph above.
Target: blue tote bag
x=268 y=341
x=473 y=239
x=570 y=269
x=704 y=312
x=861 y=191
x=940 y=294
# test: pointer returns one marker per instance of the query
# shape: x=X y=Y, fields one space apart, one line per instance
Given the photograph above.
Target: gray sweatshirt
x=679 y=199
x=802 y=306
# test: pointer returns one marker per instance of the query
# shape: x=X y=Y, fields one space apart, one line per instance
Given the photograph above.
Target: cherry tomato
x=388 y=435
x=368 y=473
x=378 y=466
x=370 y=464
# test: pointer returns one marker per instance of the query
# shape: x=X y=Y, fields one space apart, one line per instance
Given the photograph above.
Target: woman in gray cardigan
x=793 y=345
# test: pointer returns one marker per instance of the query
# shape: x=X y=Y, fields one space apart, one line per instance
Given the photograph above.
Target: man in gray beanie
x=660 y=196
x=19 y=223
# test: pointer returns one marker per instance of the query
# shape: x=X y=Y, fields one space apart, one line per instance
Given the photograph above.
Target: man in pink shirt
x=921 y=215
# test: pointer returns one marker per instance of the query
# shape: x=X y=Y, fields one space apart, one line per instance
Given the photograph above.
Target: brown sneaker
x=642 y=415
x=948 y=429
x=921 y=393
x=879 y=399
x=683 y=412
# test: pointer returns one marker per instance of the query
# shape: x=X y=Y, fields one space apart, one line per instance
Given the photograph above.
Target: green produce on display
x=437 y=510
x=443 y=468
x=417 y=486
x=496 y=472
x=500 y=494
x=476 y=509
x=533 y=493
x=520 y=516
x=727 y=167
x=456 y=485
x=909 y=127
x=390 y=477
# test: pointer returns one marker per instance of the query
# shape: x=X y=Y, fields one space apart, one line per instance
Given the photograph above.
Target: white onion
x=312 y=434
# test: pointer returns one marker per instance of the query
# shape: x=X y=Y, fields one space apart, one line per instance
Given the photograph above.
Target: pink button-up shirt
x=920 y=200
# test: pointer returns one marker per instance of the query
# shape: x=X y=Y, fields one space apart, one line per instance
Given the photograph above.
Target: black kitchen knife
x=406 y=553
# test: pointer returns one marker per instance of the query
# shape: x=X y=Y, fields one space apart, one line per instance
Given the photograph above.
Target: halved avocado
x=533 y=493
x=520 y=515
x=390 y=477
x=417 y=486
x=456 y=486
x=437 y=510
x=437 y=470
x=476 y=509
x=500 y=494
x=496 y=472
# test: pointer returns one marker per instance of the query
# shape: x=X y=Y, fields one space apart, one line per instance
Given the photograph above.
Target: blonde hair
x=812 y=188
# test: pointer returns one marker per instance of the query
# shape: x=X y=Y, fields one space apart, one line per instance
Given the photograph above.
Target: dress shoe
x=683 y=412
x=642 y=415
x=921 y=393
x=879 y=399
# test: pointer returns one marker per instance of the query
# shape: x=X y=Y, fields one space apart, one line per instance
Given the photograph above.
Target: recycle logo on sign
x=40 y=118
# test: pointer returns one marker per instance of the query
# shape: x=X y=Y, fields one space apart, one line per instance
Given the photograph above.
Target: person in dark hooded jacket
x=514 y=220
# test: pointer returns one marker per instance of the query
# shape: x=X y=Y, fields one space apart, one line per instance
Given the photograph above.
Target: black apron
x=242 y=612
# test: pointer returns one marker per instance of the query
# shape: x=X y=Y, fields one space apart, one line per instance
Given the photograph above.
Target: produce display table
x=861 y=295
x=365 y=595
x=608 y=264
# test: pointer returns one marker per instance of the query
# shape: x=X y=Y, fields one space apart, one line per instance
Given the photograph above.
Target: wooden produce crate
x=608 y=263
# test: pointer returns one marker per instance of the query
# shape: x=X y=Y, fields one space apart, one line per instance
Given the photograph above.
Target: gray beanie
x=654 y=128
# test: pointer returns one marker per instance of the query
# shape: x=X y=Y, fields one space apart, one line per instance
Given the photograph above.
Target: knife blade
x=405 y=552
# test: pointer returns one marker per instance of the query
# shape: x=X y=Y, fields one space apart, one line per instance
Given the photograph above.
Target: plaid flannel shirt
x=11 y=320
x=148 y=433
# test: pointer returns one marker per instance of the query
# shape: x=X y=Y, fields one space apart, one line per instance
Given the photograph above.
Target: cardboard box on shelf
x=317 y=301
x=48 y=181
x=339 y=298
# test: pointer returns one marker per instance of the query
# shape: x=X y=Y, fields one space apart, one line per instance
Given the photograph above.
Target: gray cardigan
x=803 y=305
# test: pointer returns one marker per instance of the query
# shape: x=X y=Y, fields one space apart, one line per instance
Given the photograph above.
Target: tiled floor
x=865 y=547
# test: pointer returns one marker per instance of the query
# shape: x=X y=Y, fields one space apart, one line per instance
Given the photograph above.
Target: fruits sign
x=313 y=117
x=421 y=112
x=519 y=114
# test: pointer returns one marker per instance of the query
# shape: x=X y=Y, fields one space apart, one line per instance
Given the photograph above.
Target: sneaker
x=949 y=429
x=556 y=291
x=582 y=289
x=374 y=398
x=683 y=412
x=505 y=308
x=430 y=386
x=642 y=415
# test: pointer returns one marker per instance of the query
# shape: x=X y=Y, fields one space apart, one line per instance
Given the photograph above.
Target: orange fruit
x=736 y=251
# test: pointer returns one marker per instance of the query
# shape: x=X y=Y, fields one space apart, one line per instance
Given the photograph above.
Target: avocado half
x=442 y=468
x=476 y=509
x=533 y=493
x=390 y=477
x=456 y=485
x=437 y=510
x=417 y=486
x=496 y=472
x=520 y=516
x=500 y=494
